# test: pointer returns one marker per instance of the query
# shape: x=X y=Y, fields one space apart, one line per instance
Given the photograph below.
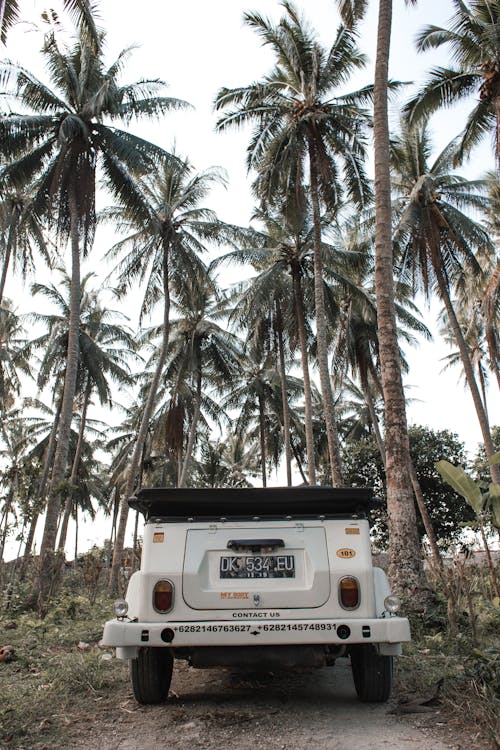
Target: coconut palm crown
x=302 y=124
x=473 y=38
x=298 y=106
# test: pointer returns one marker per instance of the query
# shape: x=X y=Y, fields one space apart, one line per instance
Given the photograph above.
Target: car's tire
x=151 y=675
x=372 y=674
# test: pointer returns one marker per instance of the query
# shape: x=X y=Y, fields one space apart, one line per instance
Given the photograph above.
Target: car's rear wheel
x=151 y=675
x=372 y=674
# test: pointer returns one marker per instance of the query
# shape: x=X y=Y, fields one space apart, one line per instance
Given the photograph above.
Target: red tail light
x=349 y=592
x=163 y=596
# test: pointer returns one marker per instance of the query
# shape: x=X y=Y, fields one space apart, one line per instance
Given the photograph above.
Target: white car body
x=256 y=578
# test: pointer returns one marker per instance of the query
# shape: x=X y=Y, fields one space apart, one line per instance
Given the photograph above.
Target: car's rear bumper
x=128 y=636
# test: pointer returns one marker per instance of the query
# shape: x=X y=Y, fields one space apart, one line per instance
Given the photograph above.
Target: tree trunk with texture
x=192 y=431
x=47 y=569
x=142 y=435
x=262 y=435
x=469 y=374
x=301 y=334
x=319 y=298
x=74 y=473
x=6 y=261
x=405 y=559
x=51 y=449
x=284 y=396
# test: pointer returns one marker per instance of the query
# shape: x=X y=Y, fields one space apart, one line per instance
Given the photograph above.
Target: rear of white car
x=260 y=578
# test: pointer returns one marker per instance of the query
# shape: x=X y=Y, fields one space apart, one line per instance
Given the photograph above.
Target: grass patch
x=60 y=675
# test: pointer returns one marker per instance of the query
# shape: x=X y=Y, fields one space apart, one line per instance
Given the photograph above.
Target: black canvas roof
x=276 y=502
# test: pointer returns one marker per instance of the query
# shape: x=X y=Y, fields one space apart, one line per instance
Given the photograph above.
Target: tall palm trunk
x=419 y=497
x=192 y=430
x=51 y=449
x=301 y=333
x=49 y=456
x=28 y=545
x=74 y=471
x=365 y=387
x=143 y=431
x=497 y=111
x=8 y=254
x=319 y=298
x=43 y=582
x=492 y=292
x=4 y=523
x=262 y=436
x=284 y=396
x=405 y=560
x=469 y=374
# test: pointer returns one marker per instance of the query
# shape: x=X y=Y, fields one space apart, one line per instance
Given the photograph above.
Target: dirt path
x=217 y=709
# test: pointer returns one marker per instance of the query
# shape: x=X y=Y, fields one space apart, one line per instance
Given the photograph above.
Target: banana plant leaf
x=461 y=482
x=494 y=502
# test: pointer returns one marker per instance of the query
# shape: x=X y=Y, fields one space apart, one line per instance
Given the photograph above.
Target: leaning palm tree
x=490 y=296
x=303 y=121
x=474 y=44
x=166 y=228
x=436 y=240
x=60 y=144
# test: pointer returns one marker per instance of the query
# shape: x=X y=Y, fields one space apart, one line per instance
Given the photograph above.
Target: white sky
x=197 y=46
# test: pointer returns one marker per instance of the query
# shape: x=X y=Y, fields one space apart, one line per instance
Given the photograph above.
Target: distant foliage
x=448 y=511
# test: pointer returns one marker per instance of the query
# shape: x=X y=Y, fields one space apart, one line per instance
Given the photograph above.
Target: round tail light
x=163 y=596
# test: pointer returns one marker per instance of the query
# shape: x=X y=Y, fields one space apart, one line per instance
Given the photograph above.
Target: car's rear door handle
x=255 y=543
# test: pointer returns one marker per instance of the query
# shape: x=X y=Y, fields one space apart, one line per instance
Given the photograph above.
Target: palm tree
x=167 y=229
x=226 y=462
x=405 y=560
x=20 y=232
x=105 y=350
x=83 y=12
x=281 y=251
x=436 y=240
x=490 y=296
x=473 y=333
x=60 y=144
x=15 y=355
x=202 y=352
x=302 y=122
x=474 y=44
x=9 y=15
x=258 y=400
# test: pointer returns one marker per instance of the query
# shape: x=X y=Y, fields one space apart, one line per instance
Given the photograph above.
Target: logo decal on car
x=345 y=553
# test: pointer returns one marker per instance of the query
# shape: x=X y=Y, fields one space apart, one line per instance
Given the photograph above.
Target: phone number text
x=265 y=627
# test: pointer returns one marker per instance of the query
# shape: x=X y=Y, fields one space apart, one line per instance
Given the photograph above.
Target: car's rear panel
x=256 y=567
x=228 y=568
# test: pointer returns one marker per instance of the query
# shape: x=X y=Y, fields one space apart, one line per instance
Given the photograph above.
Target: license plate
x=257 y=566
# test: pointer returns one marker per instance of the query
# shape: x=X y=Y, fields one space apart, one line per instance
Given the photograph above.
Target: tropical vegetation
x=297 y=365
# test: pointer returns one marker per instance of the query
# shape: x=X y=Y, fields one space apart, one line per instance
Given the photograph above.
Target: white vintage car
x=258 y=578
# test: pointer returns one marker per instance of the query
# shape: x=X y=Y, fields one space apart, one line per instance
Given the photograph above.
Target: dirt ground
x=218 y=709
